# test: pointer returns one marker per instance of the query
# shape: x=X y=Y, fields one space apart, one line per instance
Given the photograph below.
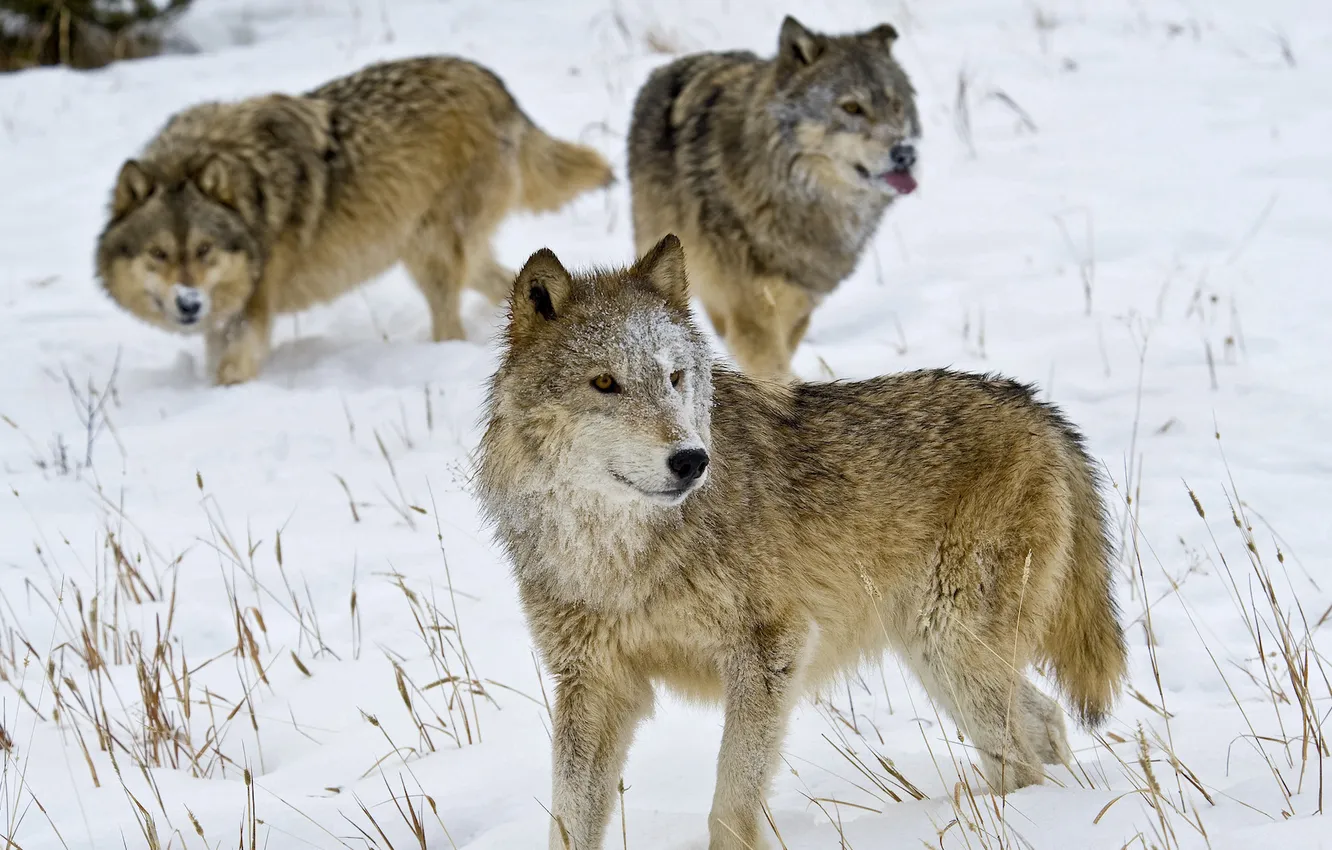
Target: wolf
x=238 y=212
x=672 y=521
x=774 y=173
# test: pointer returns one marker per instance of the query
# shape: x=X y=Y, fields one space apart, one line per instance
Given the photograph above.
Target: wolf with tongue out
x=775 y=174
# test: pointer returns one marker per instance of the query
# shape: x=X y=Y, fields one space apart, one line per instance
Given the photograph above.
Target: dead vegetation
x=83 y=34
x=116 y=680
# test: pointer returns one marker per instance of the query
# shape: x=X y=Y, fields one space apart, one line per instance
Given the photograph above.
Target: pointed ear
x=883 y=33
x=133 y=186
x=796 y=44
x=664 y=268
x=540 y=290
x=214 y=180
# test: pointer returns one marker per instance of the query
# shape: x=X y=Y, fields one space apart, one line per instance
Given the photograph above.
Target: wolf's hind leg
x=969 y=653
x=982 y=696
x=1044 y=725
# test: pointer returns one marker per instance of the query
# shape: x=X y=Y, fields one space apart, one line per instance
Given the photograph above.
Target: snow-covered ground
x=1128 y=203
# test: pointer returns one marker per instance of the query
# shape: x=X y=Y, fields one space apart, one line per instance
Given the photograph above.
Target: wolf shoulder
x=684 y=90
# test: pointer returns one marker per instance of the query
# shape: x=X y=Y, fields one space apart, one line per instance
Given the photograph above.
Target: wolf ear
x=664 y=268
x=214 y=180
x=886 y=33
x=540 y=290
x=797 y=44
x=133 y=186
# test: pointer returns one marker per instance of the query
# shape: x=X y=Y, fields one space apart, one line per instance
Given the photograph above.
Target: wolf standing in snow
x=237 y=212
x=673 y=521
x=774 y=173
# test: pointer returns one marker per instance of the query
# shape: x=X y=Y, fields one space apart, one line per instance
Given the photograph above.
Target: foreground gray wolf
x=673 y=521
x=237 y=212
x=774 y=173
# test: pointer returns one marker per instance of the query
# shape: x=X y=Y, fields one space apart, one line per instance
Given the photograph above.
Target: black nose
x=188 y=303
x=904 y=156
x=688 y=464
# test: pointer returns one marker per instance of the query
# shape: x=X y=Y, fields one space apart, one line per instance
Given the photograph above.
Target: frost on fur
x=949 y=517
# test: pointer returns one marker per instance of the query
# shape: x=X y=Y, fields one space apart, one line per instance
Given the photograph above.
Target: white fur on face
x=554 y=472
x=619 y=446
x=666 y=358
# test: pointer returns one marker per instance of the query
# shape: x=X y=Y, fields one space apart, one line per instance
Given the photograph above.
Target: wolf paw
x=236 y=370
x=1004 y=776
x=1052 y=746
x=240 y=358
x=734 y=832
x=1044 y=727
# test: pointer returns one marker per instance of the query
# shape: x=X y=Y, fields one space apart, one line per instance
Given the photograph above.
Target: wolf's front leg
x=595 y=716
x=234 y=353
x=765 y=326
x=762 y=683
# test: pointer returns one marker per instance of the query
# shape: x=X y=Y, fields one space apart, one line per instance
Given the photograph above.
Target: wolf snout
x=688 y=464
x=903 y=156
x=188 y=303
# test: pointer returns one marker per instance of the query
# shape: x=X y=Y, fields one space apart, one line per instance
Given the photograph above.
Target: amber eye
x=853 y=108
x=203 y=250
x=676 y=377
x=157 y=254
x=605 y=383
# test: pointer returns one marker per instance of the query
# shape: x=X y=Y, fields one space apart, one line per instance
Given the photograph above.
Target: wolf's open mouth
x=902 y=181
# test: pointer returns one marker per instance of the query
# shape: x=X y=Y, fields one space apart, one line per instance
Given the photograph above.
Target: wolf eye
x=157 y=254
x=605 y=383
x=203 y=250
x=853 y=108
x=676 y=377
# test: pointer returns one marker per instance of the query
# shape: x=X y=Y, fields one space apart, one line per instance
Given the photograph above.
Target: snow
x=1131 y=208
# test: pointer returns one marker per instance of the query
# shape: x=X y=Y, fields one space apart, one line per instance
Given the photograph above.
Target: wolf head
x=176 y=252
x=848 y=107
x=605 y=383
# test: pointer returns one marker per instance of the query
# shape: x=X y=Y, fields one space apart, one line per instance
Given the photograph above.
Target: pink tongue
x=902 y=181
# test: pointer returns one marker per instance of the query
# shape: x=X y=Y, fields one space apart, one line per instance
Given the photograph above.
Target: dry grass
x=82 y=34
x=121 y=689
x=1294 y=672
x=121 y=629
x=127 y=696
x=649 y=35
x=113 y=678
x=962 y=112
x=92 y=401
x=1085 y=254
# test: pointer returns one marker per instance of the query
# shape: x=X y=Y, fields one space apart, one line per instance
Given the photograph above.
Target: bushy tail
x=555 y=172
x=1085 y=644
